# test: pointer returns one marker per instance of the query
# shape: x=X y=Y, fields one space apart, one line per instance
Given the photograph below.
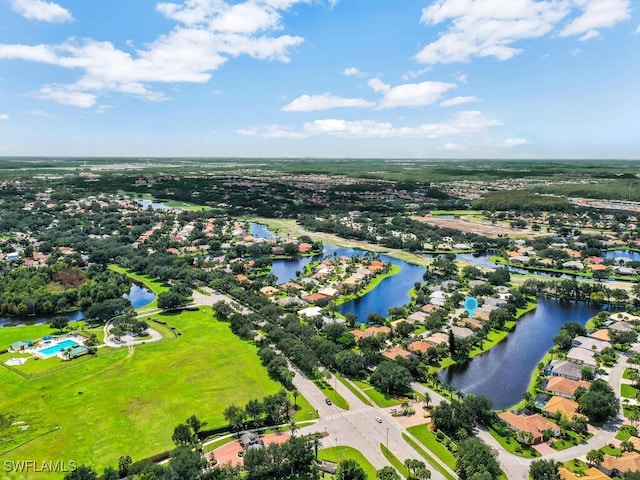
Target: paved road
x=357 y=426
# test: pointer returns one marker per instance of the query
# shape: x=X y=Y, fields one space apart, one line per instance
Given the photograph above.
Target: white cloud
x=325 y=101
x=67 y=96
x=490 y=28
x=462 y=78
x=409 y=94
x=597 y=14
x=589 y=35
x=514 y=142
x=452 y=102
x=351 y=71
x=465 y=123
x=4 y=116
x=453 y=147
x=42 y=113
x=575 y=52
x=411 y=74
x=483 y=28
x=213 y=32
x=41 y=10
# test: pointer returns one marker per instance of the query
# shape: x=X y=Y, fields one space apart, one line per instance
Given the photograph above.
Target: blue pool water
x=56 y=348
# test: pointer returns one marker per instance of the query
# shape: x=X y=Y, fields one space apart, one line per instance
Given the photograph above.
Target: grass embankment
x=332 y=394
x=429 y=440
x=128 y=402
x=429 y=459
x=338 y=454
x=380 y=399
x=394 y=461
x=347 y=383
x=153 y=284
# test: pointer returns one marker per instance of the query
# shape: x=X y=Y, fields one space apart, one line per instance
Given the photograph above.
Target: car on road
x=328 y=400
x=393 y=410
x=378 y=419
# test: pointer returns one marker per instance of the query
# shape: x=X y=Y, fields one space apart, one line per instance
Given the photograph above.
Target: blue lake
x=503 y=373
x=630 y=254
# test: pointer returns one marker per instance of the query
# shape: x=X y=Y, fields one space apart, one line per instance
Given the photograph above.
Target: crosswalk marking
x=358 y=411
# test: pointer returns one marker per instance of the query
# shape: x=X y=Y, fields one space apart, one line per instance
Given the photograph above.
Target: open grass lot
x=379 y=398
x=125 y=403
x=338 y=454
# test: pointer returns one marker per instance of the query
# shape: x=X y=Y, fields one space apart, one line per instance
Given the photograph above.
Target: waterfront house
x=582 y=356
x=417 y=317
x=564 y=368
x=621 y=327
x=562 y=406
x=437 y=339
x=590 y=344
x=602 y=334
x=462 y=332
x=564 y=387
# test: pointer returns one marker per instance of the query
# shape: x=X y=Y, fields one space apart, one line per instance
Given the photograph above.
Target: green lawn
x=329 y=392
x=338 y=454
x=628 y=391
x=353 y=389
x=429 y=440
x=379 y=399
x=512 y=446
x=129 y=402
x=395 y=461
x=430 y=460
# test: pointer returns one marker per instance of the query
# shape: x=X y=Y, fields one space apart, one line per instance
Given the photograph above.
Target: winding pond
x=138 y=295
x=502 y=374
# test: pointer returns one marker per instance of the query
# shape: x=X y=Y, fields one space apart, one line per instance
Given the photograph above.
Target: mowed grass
x=338 y=454
x=129 y=404
x=429 y=440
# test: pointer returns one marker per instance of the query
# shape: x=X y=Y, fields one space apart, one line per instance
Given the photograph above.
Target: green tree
x=391 y=378
x=595 y=457
x=186 y=464
x=59 y=323
x=170 y=300
x=387 y=473
x=124 y=462
x=475 y=457
x=350 y=470
x=182 y=435
x=235 y=416
x=83 y=472
x=545 y=470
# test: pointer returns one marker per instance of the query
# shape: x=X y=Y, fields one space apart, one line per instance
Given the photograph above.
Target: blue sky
x=321 y=78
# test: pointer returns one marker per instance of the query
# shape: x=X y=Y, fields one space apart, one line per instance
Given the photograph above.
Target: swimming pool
x=47 y=352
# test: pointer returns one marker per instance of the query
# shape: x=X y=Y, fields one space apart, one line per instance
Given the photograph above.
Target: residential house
x=602 y=335
x=590 y=344
x=617 y=466
x=395 y=352
x=621 y=327
x=563 y=406
x=462 y=332
x=589 y=474
x=417 y=317
x=564 y=368
x=533 y=424
x=269 y=291
x=420 y=346
x=564 y=387
x=438 y=339
x=310 y=312
x=582 y=356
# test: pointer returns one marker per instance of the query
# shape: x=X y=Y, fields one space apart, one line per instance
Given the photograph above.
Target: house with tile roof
x=562 y=406
x=534 y=424
x=564 y=387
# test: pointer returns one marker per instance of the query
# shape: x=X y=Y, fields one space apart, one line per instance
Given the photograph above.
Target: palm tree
x=427 y=398
x=293 y=427
x=295 y=394
x=595 y=457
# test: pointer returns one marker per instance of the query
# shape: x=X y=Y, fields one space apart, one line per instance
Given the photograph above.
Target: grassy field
x=394 y=461
x=428 y=457
x=338 y=454
x=379 y=398
x=128 y=402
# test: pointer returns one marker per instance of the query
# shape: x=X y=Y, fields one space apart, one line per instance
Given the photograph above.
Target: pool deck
x=37 y=351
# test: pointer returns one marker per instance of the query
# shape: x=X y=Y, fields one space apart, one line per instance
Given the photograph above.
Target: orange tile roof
x=420 y=346
x=565 y=386
x=535 y=424
x=589 y=474
x=562 y=405
x=629 y=461
x=394 y=352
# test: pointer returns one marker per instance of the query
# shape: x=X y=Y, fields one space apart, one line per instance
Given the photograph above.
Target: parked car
x=393 y=410
x=328 y=401
x=378 y=419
